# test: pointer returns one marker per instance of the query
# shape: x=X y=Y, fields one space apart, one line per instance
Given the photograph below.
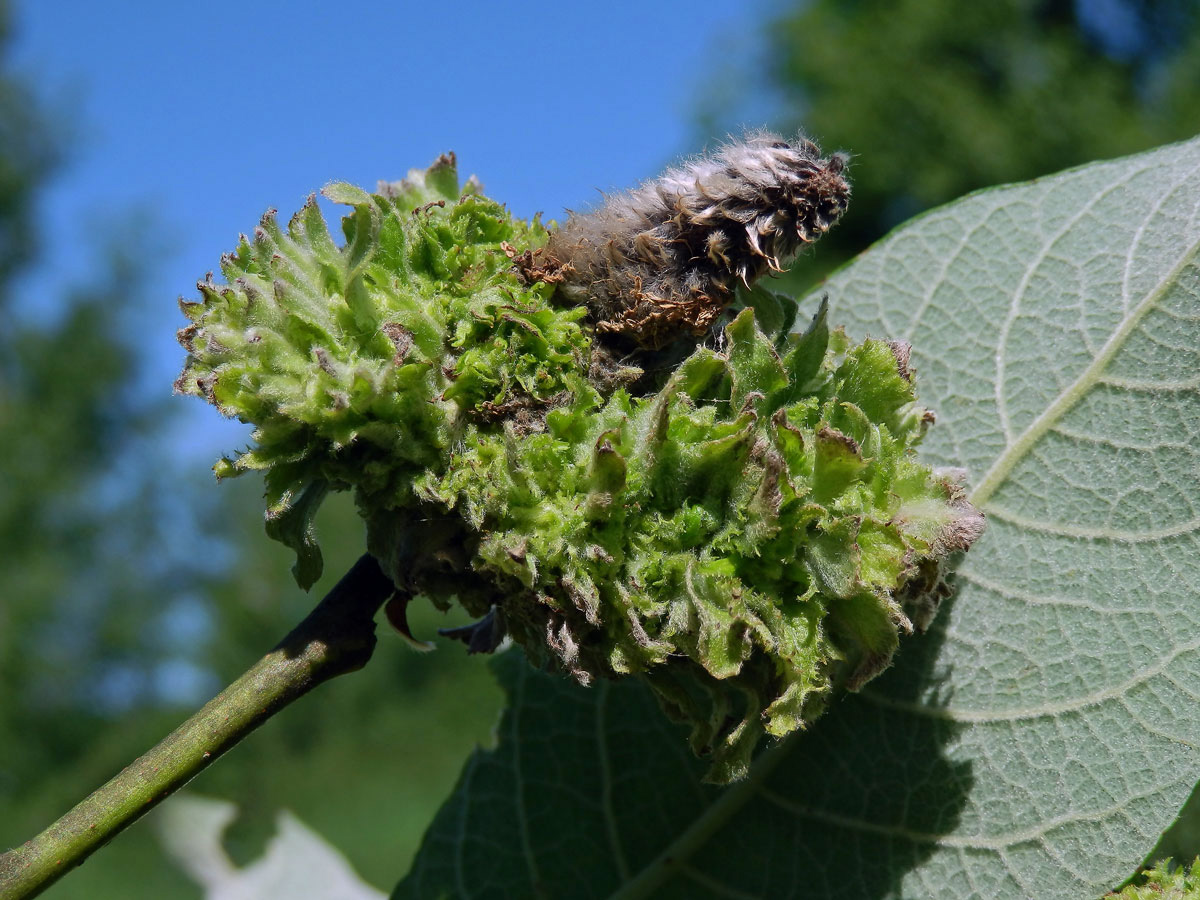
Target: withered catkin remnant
x=662 y=261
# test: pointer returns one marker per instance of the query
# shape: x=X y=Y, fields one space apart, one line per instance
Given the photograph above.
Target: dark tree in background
x=936 y=98
x=91 y=584
x=66 y=416
x=26 y=154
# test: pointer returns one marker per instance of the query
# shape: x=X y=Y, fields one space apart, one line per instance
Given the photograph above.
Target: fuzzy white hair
x=662 y=261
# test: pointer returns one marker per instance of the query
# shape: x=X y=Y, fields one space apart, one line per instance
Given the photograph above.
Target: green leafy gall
x=1165 y=881
x=359 y=365
x=746 y=531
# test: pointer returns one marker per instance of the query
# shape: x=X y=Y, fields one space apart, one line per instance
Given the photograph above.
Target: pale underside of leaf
x=1070 y=656
x=1038 y=741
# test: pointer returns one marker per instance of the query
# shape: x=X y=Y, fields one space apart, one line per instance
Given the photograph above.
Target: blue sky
x=200 y=116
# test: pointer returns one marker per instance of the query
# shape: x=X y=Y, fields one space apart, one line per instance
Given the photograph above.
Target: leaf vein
x=1046 y=710
x=1005 y=462
x=715 y=886
x=606 y=784
x=1123 y=535
x=1138 y=384
x=934 y=283
x=1117 y=443
x=1011 y=593
x=1022 y=288
x=996 y=843
x=519 y=779
x=461 y=841
x=692 y=838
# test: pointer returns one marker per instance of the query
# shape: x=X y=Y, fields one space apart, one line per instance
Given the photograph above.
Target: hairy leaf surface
x=1038 y=741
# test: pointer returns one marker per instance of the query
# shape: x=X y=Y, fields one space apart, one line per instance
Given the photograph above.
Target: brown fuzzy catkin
x=662 y=261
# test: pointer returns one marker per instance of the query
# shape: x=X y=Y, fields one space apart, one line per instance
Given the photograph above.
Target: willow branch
x=338 y=636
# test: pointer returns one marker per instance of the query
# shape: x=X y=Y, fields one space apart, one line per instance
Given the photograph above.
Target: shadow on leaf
x=592 y=793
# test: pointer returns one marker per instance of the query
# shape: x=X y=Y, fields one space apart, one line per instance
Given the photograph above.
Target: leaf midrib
x=1087 y=379
x=729 y=802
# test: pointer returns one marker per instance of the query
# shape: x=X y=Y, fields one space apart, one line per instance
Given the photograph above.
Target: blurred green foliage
x=109 y=635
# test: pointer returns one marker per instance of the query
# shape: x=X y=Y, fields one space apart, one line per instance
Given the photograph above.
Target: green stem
x=336 y=637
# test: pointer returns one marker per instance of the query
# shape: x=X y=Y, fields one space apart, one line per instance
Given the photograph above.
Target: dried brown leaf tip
x=662 y=261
